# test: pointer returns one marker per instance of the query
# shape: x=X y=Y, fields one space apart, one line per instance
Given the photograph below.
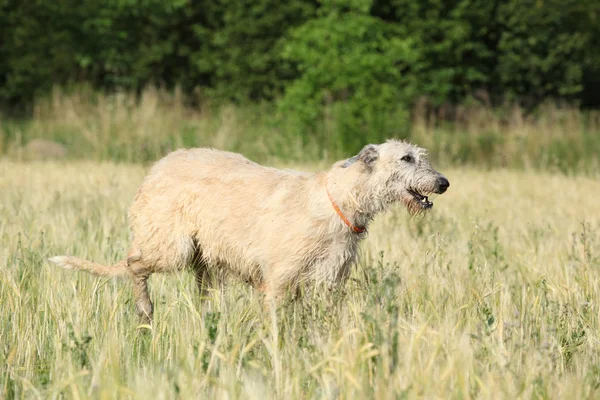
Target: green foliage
x=358 y=56
x=350 y=64
x=520 y=50
x=541 y=49
x=225 y=47
x=236 y=46
x=456 y=39
x=109 y=44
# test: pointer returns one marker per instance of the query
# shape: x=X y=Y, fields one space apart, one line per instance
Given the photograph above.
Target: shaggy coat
x=217 y=211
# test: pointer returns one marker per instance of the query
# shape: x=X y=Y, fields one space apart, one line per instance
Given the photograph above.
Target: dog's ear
x=369 y=154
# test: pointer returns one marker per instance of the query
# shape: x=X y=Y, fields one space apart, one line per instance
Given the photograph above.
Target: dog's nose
x=442 y=184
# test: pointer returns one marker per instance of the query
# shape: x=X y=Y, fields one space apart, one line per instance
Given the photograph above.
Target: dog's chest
x=335 y=257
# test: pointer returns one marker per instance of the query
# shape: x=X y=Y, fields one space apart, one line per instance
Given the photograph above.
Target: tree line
x=364 y=55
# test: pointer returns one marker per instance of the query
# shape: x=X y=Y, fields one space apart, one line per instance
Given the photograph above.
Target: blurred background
x=500 y=83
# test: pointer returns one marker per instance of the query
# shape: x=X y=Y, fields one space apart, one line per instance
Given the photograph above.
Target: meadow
x=493 y=294
x=141 y=128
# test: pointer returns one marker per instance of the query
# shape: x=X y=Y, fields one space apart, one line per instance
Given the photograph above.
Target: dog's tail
x=69 y=262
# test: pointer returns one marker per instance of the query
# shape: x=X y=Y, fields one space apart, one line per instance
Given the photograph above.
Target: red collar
x=357 y=229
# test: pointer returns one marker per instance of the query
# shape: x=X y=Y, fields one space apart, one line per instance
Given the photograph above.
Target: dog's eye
x=407 y=158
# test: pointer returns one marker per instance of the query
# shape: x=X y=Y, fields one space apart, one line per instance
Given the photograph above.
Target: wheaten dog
x=216 y=211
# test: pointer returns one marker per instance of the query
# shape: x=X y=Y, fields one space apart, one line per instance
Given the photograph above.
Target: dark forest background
x=524 y=50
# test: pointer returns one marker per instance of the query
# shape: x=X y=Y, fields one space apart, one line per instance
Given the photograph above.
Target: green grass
x=494 y=294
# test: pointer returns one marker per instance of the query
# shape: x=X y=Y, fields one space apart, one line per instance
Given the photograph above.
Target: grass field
x=129 y=127
x=494 y=294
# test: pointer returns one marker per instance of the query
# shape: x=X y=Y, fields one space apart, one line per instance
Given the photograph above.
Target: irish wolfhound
x=217 y=211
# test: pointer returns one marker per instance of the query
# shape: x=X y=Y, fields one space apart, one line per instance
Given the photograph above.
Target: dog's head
x=394 y=171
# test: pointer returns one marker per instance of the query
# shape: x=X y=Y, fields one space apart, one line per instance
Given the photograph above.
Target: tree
x=353 y=63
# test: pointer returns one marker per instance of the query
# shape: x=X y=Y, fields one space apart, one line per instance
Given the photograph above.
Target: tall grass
x=494 y=294
x=133 y=128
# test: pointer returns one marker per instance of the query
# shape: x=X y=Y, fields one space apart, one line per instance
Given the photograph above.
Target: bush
x=350 y=68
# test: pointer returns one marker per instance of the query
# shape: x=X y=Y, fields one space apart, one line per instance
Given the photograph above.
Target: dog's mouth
x=421 y=199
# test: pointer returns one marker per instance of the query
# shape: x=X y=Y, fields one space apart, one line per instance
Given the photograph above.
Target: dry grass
x=556 y=138
x=494 y=294
x=126 y=127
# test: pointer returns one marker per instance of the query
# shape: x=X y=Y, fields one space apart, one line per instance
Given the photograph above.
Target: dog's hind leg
x=139 y=275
